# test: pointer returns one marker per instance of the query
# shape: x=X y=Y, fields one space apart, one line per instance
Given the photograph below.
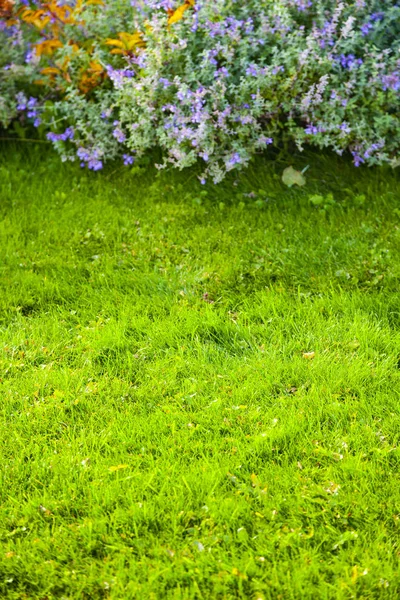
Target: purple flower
x=391 y=81
x=252 y=70
x=62 y=137
x=366 y=28
x=30 y=56
x=311 y=130
x=378 y=16
x=357 y=158
x=345 y=127
x=21 y=101
x=349 y=61
x=118 y=133
x=222 y=72
x=235 y=159
x=69 y=133
x=128 y=159
x=302 y=5
x=265 y=140
x=118 y=76
x=95 y=165
x=165 y=82
x=373 y=148
x=83 y=154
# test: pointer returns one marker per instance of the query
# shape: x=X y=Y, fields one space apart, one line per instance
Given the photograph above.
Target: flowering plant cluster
x=210 y=81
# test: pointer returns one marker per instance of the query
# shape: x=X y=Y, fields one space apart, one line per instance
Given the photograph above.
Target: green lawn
x=199 y=385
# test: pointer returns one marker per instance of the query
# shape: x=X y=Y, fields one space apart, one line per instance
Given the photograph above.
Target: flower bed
x=210 y=81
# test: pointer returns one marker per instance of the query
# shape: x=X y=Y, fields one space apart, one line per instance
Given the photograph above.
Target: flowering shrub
x=210 y=81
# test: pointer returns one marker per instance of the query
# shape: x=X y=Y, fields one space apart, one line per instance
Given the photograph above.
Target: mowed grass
x=199 y=385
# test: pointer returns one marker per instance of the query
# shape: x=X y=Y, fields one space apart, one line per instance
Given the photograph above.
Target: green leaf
x=292 y=177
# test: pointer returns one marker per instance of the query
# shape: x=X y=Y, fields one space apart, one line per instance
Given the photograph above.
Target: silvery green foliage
x=231 y=78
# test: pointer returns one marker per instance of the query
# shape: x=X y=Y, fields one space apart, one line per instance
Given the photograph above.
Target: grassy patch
x=199 y=386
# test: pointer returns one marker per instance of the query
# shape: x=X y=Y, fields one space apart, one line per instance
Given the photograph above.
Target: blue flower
x=95 y=165
x=128 y=159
